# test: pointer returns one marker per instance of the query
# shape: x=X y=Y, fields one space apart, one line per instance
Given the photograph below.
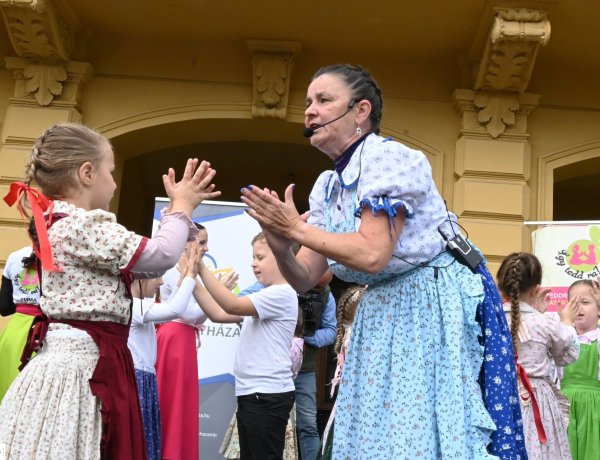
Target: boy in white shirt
x=263 y=377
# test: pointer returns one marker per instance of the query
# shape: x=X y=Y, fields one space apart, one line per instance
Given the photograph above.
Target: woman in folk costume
x=410 y=386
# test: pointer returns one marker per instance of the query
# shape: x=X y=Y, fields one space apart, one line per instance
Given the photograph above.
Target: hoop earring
x=358 y=131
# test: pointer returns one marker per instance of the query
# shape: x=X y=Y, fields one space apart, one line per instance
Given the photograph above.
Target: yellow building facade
x=502 y=96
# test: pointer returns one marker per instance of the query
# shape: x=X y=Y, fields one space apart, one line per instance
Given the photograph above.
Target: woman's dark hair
x=519 y=272
x=199 y=226
x=362 y=86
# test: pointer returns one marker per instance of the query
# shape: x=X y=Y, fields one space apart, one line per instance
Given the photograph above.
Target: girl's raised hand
x=541 y=299
x=569 y=312
x=195 y=186
x=192 y=266
x=182 y=265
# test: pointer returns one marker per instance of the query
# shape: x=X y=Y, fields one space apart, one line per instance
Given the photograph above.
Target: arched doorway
x=269 y=153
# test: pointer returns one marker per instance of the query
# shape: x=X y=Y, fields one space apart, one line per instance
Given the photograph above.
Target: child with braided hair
x=347 y=305
x=77 y=398
x=540 y=341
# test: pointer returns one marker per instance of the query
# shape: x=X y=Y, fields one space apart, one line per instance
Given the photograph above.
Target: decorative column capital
x=511 y=48
x=272 y=64
x=494 y=113
x=57 y=84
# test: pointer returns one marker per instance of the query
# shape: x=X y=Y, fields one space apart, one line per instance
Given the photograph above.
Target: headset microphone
x=308 y=132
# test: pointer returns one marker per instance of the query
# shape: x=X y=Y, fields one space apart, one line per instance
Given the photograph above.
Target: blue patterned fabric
x=409 y=387
x=501 y=394
x=148 y=392
x=411 y=382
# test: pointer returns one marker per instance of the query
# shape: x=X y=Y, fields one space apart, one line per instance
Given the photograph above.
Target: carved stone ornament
x=510 y=52
x=45 y=81
x=272 y=64
x=494 y=113
x=47 y=84
x=37 y=29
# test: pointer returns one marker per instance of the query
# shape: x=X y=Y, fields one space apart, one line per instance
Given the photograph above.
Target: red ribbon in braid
x=39 y=204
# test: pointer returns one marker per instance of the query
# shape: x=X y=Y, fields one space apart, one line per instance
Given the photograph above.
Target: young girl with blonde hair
x=77 y=398
x=540 y=341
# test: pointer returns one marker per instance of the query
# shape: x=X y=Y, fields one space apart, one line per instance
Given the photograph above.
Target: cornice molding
x=272 y=64
x=492 y=216
x=19 y=141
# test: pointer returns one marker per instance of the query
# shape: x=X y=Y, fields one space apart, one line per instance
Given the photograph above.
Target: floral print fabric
x=90 y=249
x=498 y=375
x=410 y=387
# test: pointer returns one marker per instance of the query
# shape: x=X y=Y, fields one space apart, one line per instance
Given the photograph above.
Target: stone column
x=47 y=90
x=493 y=161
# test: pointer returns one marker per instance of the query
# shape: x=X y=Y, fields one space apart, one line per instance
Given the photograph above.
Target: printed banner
x=567 y=253
x=230 y=232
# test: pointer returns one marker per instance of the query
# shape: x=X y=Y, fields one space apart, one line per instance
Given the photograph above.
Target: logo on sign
x=580 y=259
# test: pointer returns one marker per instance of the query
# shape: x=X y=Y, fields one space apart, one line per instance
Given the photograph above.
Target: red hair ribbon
x=39 y=204
x=522 y=374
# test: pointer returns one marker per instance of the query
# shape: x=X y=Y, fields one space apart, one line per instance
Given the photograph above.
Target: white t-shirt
x=262 y=361
x=193 y=315
x=25 y=283
x=146 y=312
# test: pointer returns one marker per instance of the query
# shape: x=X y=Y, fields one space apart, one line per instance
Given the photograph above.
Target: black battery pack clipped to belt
x=462 y=251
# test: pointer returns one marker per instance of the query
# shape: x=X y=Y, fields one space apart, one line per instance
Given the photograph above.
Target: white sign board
x=230 y=232
x=567 y=253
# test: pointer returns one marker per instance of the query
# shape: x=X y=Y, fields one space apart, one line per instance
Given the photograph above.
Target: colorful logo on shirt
x=581 y=258
x=28 y=281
